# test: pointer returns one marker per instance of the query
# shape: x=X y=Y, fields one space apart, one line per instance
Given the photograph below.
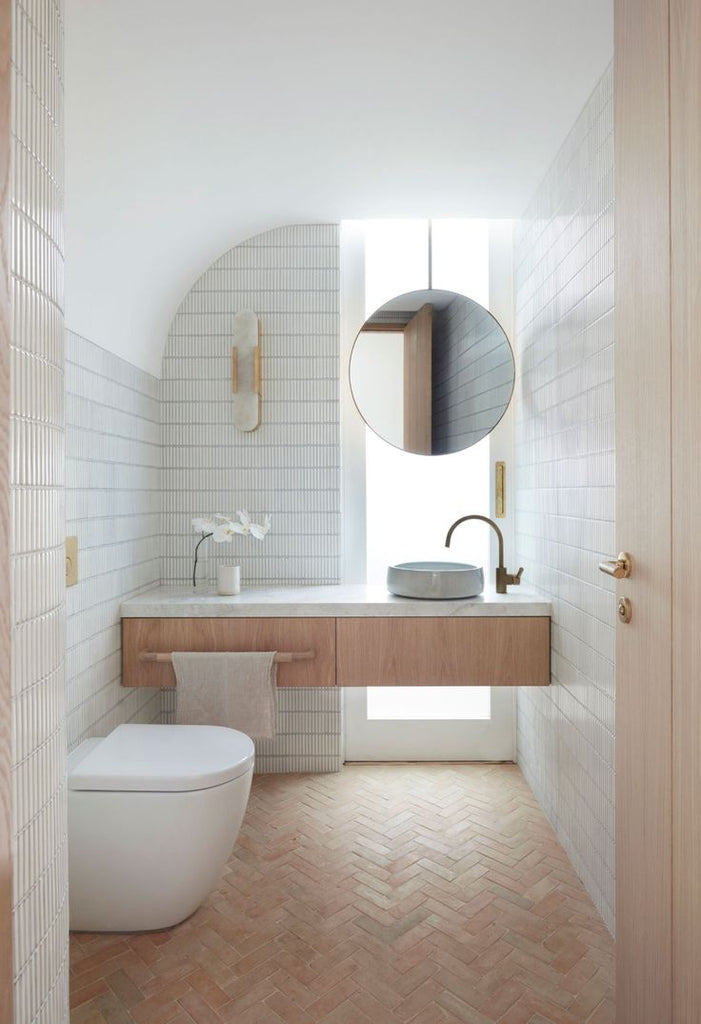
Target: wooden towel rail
x=281 y=657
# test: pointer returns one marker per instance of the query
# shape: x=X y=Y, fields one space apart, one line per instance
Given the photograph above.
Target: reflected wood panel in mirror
x=432 y=372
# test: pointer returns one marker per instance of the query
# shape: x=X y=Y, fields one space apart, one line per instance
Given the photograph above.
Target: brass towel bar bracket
x=281 y=657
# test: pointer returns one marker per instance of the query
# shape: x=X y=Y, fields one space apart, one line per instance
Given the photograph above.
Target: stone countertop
x=339 y=601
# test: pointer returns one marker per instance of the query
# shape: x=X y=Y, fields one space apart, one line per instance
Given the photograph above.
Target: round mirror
x=432 y=372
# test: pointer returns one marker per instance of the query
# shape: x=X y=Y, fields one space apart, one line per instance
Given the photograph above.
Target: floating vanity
x=347 y=635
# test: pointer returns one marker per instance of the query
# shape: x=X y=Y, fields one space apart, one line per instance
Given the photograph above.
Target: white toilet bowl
x=153 y=813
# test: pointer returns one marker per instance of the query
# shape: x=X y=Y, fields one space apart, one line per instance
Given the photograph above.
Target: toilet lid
x=161 y=759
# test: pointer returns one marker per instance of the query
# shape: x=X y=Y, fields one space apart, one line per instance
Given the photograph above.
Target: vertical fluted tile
x=564 y=487
x=40 y=937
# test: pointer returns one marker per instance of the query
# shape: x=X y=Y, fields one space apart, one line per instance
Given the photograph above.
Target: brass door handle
x=620 y=568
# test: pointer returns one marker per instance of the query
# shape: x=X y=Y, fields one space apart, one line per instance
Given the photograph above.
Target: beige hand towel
x=225 y=688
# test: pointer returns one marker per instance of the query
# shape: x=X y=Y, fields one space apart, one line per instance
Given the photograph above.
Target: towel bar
x=280 y=656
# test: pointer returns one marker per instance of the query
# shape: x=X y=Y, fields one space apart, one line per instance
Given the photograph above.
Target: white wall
x=192 y=126
x=40 y=934
x=113 y=505
x=565 y=488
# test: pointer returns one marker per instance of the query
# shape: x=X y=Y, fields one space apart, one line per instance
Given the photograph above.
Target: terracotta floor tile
x=244 y=1000
x=323 y=1006
x=85 y=993
x=200 y=1011
x=425 y=894
x=348 y=1013
x=208 y=989
x=605 y=1013
x=88 y=1013
x=288 y=1010
x=112 y=1010
x=125 y=989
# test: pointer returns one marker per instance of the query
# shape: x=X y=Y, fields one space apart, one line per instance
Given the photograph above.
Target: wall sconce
x=245 y=370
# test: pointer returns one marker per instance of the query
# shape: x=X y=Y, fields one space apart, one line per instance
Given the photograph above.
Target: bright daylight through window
x=428 y=703
x=413 y=499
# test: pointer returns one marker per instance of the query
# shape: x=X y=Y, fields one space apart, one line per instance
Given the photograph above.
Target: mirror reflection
x=432 y=372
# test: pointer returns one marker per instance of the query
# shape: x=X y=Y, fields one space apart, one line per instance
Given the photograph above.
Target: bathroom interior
x=207 y=208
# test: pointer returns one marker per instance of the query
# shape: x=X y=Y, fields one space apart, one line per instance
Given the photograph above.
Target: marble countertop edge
x=338 y=601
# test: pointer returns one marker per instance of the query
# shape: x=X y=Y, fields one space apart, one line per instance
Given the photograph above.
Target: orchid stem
x=197 y=547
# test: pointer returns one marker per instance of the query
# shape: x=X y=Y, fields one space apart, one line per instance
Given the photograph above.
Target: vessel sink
x=435 y=580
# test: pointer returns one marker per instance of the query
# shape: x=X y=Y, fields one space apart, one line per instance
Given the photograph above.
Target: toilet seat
x=161 y=759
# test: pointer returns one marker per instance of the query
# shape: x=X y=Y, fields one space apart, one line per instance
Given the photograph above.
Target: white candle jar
x=228 y=580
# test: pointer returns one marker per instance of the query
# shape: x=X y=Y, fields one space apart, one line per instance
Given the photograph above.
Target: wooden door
x=5 y=739
x=418 y=405
x=643 y=516
x=658 y=485
x=685 y=321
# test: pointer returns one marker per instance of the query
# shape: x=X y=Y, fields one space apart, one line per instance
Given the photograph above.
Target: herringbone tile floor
x=391 y=894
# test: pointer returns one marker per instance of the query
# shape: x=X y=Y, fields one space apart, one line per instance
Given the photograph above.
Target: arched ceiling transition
x=194 y=124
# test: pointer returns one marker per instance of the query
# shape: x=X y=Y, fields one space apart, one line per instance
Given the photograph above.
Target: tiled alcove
x=290 y=466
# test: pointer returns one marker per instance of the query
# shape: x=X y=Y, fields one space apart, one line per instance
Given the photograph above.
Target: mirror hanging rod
x=430 y=254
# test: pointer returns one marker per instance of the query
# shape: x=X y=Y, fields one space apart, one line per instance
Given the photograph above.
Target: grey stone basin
x=435 y=580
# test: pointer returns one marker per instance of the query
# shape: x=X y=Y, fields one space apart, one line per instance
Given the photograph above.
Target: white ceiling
x=193 y=124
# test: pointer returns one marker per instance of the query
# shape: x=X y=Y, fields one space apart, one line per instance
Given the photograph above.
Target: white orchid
x=244 y=519
x=222 y=529
x=224 y=532
x=259 y=530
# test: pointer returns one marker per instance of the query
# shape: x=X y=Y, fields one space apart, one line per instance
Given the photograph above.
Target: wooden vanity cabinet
x=469 y=651
x=223 y=634
x=363 y=651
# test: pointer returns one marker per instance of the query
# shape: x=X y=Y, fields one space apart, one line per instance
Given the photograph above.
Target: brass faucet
x=504 y=578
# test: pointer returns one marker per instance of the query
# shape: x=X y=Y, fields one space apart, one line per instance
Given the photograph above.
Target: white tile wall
x=113 y=504
x=564 y=488
x=309 y=735
x=40 y=936
x=310 y=731
x=289 y=467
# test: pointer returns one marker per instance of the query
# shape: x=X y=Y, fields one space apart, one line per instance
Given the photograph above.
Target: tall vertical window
x=413 y=499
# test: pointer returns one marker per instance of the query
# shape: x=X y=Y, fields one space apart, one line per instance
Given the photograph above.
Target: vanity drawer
x=225 y=634
x=443 y=651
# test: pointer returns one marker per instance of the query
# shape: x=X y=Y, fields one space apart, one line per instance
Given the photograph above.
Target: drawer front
x=443 y=652
x=168 y=635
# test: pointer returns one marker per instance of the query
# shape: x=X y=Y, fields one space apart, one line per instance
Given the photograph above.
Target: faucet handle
x=514 y=580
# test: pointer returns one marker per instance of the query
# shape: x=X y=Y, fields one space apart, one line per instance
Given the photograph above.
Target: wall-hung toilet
x=153 y=813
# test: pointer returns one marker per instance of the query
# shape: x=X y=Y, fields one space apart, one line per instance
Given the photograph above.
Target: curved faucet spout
x=503 y=578
x=484 y=519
